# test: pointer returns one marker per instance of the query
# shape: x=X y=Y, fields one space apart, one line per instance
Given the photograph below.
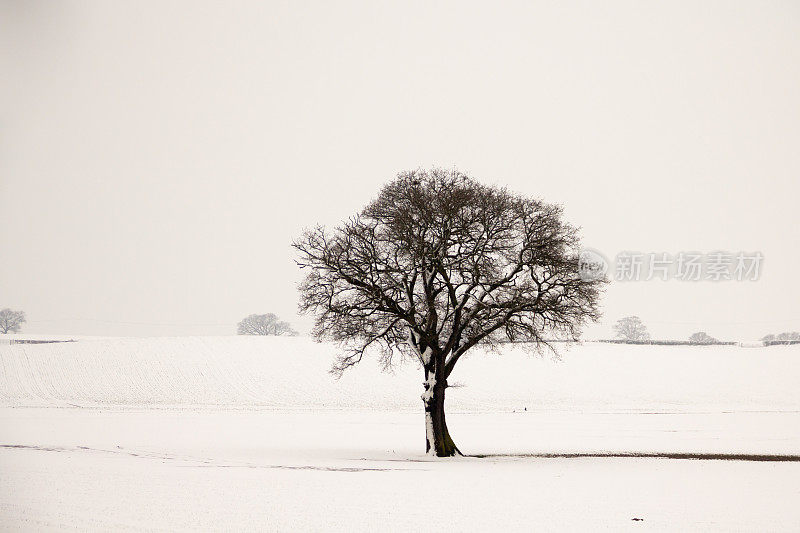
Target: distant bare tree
x=701 y=337
x=631 y=328
x=10 y=321
x=267 y=324
x=436 y=265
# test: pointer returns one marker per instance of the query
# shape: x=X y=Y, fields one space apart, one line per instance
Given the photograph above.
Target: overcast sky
x=158 y=158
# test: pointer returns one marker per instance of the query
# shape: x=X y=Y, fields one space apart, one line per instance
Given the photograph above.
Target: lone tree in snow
x=436 y=265
x=10 y=321
x=631 y=328
x=701 y=337
x=264 y=325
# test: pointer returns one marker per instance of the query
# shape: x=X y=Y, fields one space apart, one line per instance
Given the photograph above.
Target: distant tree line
x=631 y=330
x=787 y=337
x=669 y=342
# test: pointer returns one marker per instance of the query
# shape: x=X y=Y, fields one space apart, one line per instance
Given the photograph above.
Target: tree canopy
x=631 y=328
x=267 y=324
x=11 y=321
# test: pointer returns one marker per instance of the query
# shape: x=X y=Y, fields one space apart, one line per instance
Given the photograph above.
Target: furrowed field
x=231 y=432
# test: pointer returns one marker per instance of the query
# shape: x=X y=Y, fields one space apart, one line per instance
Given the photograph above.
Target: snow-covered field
x=253 y=433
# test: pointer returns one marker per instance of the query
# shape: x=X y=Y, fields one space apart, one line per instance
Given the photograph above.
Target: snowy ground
x=233 y=433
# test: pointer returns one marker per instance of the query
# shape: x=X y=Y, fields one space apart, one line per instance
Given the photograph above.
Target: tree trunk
x=437 y=439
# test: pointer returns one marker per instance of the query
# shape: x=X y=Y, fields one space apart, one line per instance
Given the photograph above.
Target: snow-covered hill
x=292 y=373
x=251 y=433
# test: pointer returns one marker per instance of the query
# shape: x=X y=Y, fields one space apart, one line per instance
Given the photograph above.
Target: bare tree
x=436 y=265
x=10 y=321
x=631 y=328
x=701 y=337
x=267 y=324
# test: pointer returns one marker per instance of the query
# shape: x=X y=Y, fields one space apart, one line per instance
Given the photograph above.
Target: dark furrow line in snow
x=201 y=463
x=650 y=455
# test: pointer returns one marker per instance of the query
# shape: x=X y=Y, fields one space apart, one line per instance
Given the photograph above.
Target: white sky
x=157 y=158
